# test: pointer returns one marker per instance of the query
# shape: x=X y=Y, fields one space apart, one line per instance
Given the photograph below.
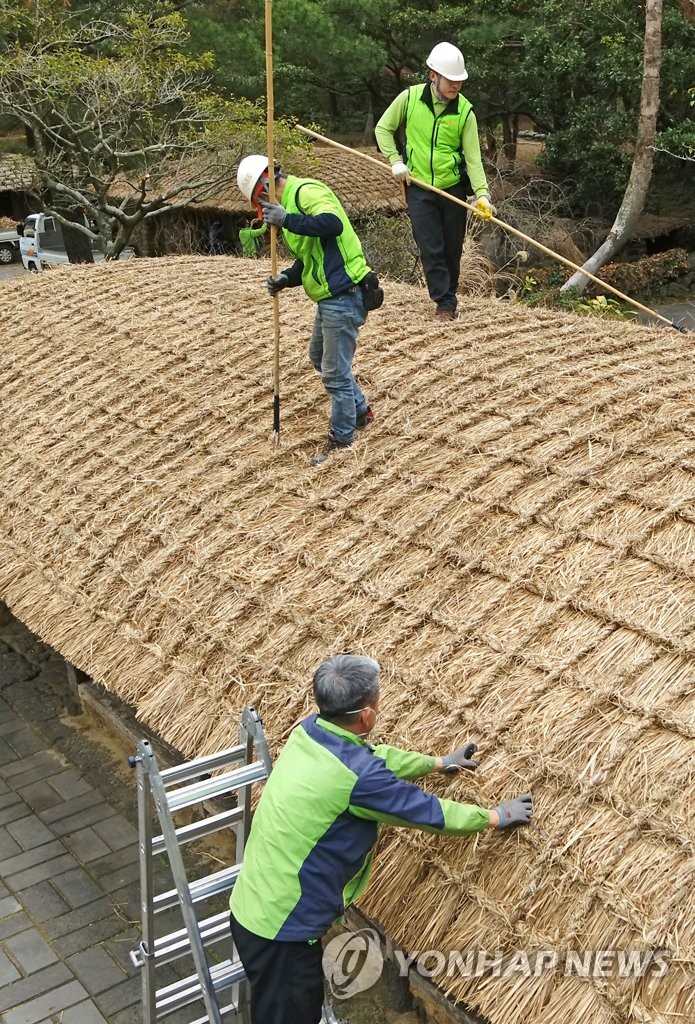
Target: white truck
x=9 y=247
x=41 y=243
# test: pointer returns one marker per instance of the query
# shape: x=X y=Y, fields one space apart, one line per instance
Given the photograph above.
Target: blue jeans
x=331 y=351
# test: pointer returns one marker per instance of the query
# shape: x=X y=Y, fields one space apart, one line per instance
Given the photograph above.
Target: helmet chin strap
x=435 y=86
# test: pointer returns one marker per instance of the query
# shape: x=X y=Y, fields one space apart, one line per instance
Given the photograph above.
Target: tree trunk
x=77 y=245
x=640 y=175
x=368 y=132
x=688 y=8
x=490 y=142
x=510 y=130
x=113 y=249
x=506 y=134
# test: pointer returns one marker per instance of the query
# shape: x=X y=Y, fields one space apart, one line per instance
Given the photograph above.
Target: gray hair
x=344 y=683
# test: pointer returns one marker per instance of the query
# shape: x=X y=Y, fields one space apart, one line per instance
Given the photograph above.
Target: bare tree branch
x=688 y=157
x=114 y=103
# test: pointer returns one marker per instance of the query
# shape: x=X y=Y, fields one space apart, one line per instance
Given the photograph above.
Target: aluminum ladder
x=221 y=986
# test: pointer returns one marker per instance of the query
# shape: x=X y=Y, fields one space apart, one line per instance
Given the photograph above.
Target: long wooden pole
x=273 y=228
x=500 y=223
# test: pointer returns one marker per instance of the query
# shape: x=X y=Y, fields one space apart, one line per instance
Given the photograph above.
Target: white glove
x=400 y=172
x=483 y=208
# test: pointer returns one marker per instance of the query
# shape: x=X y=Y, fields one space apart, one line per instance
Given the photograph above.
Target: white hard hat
x=447 y=60
x=249 y=173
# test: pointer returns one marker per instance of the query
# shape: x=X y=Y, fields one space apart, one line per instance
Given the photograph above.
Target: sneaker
x=446 y=314
x=365 y=418
x=331 y=445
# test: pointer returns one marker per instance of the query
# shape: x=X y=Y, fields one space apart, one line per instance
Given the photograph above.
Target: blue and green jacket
x=328 y=254
x=309 y=852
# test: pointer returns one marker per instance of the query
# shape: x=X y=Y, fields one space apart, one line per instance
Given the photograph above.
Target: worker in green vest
x=250 y=238
x=310 y=851
x=330 y=265
x=438 y=135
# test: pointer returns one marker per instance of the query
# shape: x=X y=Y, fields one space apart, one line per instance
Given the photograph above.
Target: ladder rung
x=224 y=1010
x=177 y=944
x=186 y=990
x=198 y=791
x=190 y=769
x=198 y=829
x=201 y=889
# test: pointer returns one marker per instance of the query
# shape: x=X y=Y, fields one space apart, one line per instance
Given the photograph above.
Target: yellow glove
x=483 y=208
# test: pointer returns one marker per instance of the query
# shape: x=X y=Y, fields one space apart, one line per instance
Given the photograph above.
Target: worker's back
x=305 y=845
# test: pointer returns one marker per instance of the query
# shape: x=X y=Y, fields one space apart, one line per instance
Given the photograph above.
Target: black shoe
x=331 y=445
x=365 y=419
x=446 y=314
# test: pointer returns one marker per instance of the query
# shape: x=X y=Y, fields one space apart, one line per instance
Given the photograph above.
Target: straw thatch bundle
x=513 y=539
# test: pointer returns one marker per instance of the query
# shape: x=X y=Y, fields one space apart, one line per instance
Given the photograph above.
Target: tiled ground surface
x=69 y=874
x=69 y=890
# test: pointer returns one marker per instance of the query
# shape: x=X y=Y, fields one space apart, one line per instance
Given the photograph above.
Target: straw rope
x=513 y=538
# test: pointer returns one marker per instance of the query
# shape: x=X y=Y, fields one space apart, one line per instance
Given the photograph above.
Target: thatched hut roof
x=651 y=226
x=17 y=173
x=362 y=187
x=359 y=184
x=513 y=539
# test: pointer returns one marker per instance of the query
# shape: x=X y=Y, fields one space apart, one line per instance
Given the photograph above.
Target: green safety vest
x=433 y=146
x=331 y=265
x=249 y=238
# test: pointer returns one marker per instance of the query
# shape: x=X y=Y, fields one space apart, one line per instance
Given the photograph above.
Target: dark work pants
x=286 y=978
x=438 y=228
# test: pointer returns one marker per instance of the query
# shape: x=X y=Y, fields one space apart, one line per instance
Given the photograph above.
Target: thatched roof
x=513 y=539
x=17 y=173
x=651 y=225
x=362 y=187
x=359 y=184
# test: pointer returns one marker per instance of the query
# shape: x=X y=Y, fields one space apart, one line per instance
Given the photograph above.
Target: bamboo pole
x=273 y=228
x=501 y=224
